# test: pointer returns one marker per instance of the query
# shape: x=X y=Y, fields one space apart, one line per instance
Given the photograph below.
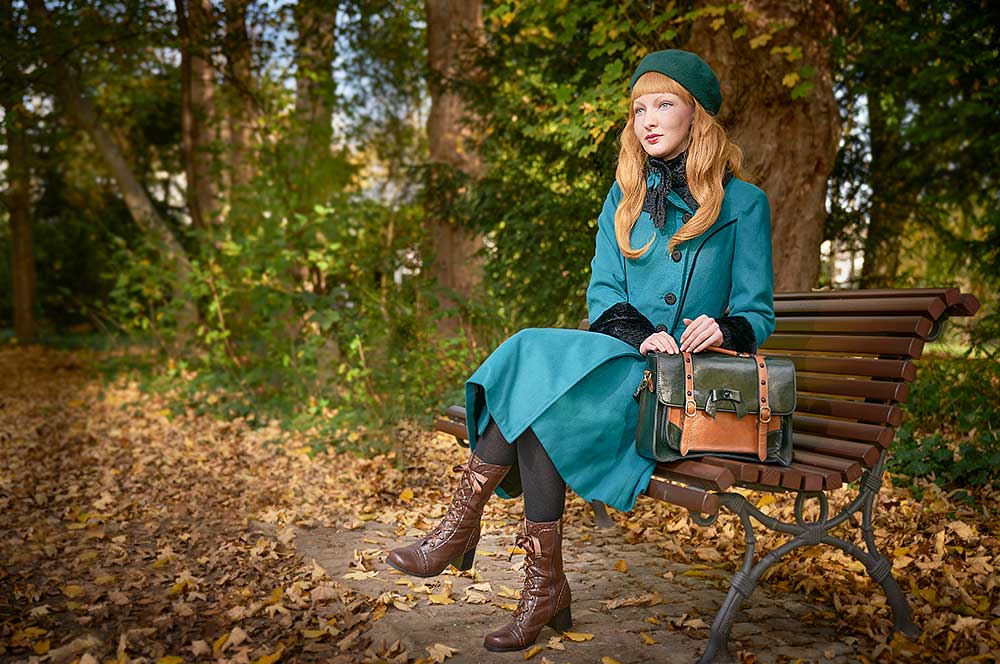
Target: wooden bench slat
x=868 y=433
x=697 y=474
x=919 y=326
x=451 y=427
x=861 y=344
x=868 y=389
x=742 y=471
x=873 y=413
x=456 y=413
x=815 y=478
x=692 y=499
x=853 y=366
x=949 y=295
x=849 y=470
x=864 y=453
x=930 y=306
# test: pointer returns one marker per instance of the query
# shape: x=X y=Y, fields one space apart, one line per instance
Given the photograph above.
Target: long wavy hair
x=709 y=153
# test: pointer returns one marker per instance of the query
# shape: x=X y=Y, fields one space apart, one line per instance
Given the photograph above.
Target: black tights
x=544 y=489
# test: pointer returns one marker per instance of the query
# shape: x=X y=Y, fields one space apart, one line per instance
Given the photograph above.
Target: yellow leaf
x=647 y=639
x=170 y=659
x=765 y=500
x=406 y=495
x=759 y=40
x=104 y=580
x=275 y=597
x=790 y=80
x=718 y=23
x=578 y=636
x=73 y=591
x=507 y=591
x=314 y=633
x=621 y=565
x=531 y=652
x=219 y=644
x=609 y=660
x=41 y=647
x=272 y=658
x=440 y=599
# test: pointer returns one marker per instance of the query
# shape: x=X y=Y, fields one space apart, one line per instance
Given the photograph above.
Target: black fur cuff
x=737 y=334
x=623 y=321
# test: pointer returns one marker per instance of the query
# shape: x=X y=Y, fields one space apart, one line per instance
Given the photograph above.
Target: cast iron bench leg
x=805 y=533
x=601 y=517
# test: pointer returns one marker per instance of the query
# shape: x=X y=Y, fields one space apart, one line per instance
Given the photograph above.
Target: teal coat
x=574 y=388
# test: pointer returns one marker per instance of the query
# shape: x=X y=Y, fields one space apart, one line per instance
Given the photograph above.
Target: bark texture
x=452 y=26
x=241 y=88
x=195 y=29
x=790 y=145
x=80 y=111
x=316 y=22
x=887 y=213
x=18 y=198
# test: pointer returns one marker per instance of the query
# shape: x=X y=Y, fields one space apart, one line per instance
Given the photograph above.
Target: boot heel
x=562 y=621
x=464 y=562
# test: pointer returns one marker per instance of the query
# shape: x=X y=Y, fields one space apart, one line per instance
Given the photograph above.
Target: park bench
x=854 y=354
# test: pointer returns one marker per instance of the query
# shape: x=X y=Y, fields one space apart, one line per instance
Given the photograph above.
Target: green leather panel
x=714 y=371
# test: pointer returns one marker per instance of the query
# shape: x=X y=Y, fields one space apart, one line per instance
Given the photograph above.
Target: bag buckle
x=765 y=414
x=690 y=408
x=725 y=394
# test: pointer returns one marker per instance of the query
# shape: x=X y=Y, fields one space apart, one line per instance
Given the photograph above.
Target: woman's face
x=662 y=124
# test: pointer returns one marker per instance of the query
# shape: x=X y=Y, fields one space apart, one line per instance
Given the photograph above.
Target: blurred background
x=328 y=212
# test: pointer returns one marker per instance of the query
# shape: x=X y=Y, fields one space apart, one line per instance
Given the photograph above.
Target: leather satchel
x=718 y=403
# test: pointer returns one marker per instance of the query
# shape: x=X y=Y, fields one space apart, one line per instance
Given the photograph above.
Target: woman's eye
x=666 y=104
x=638 y=111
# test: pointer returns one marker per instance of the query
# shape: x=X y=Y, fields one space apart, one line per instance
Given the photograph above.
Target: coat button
x=676 y=255
x=686 y=217
x=670 y=298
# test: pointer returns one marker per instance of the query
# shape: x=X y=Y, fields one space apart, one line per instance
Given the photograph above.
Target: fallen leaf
x=621 y=565
x=440 y=652
x=532 y=651
x=578 y=636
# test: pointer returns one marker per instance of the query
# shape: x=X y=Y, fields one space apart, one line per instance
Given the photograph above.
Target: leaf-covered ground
x=133 y=535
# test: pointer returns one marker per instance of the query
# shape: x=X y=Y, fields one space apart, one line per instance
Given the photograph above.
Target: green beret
x=689 y=70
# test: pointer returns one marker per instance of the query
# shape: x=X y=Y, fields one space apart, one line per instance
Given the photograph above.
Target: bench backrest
x=853 y=352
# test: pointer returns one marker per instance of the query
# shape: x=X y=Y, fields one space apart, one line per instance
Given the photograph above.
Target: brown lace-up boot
x=545 y=598
x=453 y=540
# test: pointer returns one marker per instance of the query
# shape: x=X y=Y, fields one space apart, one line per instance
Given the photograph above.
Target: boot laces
x=470 y=485
x=534 y=575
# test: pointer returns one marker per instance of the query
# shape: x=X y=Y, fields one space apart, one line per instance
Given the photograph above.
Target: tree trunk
x=790 y=144
x=195 y=28
x=316 y=22
x=452 y=27
x=886 y=214
x=22 y=266
x=241 y=93
x=80 y=111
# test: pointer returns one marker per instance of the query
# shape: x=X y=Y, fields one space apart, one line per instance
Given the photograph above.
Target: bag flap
x=715 y=371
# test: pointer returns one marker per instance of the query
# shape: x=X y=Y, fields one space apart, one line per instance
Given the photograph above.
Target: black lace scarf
x=673 y=177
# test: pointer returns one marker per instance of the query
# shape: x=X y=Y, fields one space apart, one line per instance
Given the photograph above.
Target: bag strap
x=764 y=412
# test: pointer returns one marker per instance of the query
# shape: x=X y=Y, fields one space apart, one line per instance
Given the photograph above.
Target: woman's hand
x=660 y=342
x=701 y=333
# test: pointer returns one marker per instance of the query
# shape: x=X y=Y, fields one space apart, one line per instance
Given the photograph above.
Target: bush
x=952 y=432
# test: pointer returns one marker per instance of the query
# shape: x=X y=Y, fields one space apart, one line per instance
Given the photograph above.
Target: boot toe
x=505 y=640
x=406 y=560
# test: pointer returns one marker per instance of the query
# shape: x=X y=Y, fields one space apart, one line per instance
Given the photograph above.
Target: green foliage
x=952 y=431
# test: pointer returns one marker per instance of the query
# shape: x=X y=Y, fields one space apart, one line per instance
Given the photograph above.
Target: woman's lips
x=652 y=138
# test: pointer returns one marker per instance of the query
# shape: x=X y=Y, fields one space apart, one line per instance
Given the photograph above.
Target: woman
x=556 y=405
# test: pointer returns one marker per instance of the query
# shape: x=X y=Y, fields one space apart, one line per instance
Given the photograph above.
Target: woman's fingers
x=696 y=328
x=713 y=340
x=692 y=327
x=705 y=332
x=671 y=344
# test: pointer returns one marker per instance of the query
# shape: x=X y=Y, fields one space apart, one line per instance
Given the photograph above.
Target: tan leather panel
x=724 y=433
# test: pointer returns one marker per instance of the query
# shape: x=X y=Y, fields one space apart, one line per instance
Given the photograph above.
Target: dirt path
x=133 y=535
